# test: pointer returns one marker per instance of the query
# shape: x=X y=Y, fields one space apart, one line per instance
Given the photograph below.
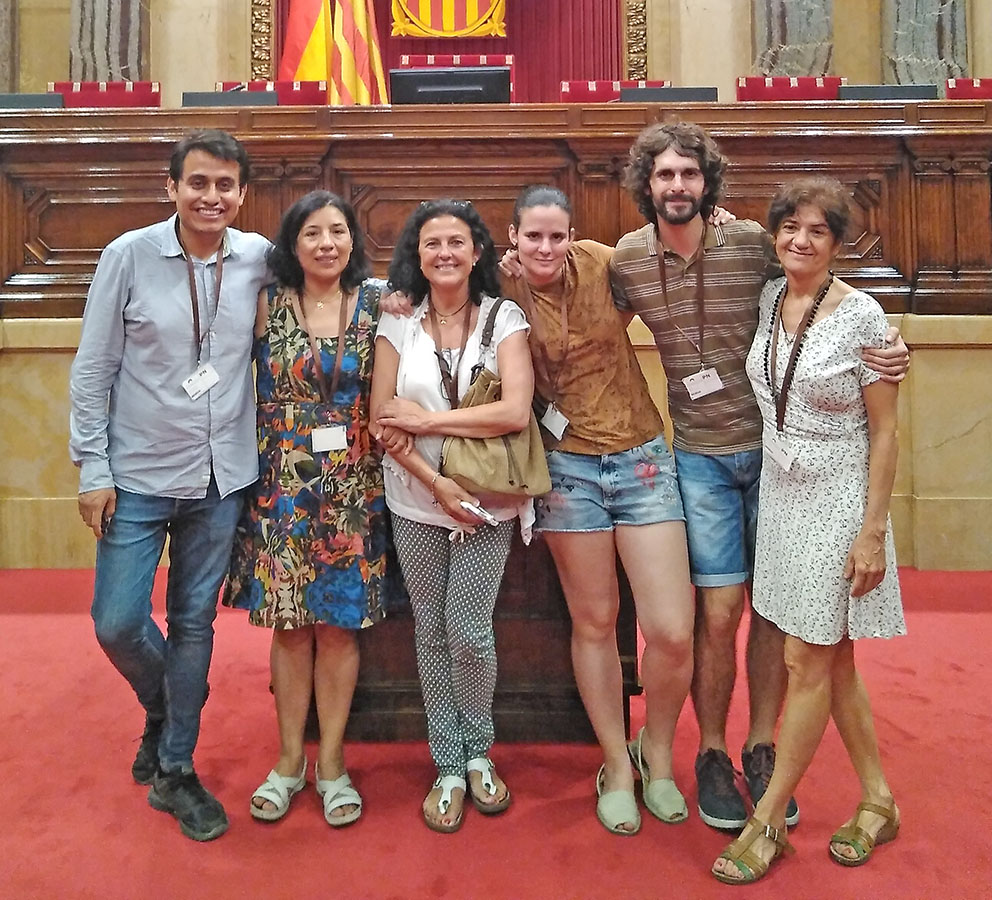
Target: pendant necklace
x=322 y=300
x=443 y=319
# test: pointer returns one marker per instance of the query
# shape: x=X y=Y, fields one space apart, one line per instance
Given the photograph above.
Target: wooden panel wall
x=918 y=174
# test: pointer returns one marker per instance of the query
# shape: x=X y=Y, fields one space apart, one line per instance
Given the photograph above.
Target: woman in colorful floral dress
x=313 y=558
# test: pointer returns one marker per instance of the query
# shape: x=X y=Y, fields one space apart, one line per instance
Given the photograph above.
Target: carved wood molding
x=263 y=33
x=635 y=39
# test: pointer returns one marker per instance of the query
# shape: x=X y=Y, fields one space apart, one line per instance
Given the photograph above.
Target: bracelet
x=434 y=499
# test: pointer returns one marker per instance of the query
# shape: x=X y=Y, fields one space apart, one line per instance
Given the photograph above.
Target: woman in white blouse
x=452 y=560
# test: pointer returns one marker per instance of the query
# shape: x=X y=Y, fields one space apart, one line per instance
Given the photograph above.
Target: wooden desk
x=71 y=180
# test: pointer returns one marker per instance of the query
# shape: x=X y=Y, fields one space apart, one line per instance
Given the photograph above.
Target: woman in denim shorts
x=613 y=492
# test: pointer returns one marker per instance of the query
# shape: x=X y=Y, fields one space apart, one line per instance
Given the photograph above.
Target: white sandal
x=484 y=765
x=335 y=794
x=447 y=783
x=278 y=790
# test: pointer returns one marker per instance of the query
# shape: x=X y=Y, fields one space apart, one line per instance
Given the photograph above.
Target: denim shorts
x=720 y=493
x=597 y=493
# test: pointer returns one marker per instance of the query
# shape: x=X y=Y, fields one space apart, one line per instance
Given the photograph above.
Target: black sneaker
x=720 y=803
x=145 y=763
x=758 y=765
x=199 y=813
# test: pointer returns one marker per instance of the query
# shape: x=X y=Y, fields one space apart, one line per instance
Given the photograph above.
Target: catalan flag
x=306 y=47
x=449 y=18
x=341 y=49
x=356 y=64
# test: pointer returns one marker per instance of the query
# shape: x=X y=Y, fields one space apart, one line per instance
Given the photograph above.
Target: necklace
x=327 y=298
x=779 y=395
x=443 y=319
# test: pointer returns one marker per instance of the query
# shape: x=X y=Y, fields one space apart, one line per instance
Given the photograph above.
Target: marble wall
x=924 y=41
x=109 y=40
x=711 y=42
x=792 y=37
x=8 y=45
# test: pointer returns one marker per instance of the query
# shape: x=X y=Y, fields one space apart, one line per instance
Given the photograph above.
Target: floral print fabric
x=314 y=544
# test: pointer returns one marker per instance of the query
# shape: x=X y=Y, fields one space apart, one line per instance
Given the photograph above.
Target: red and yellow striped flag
x=305 y=51
x=345 y=54
x=356 y=64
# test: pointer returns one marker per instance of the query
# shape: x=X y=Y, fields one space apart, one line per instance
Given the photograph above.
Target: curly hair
x=540 y=195
x=214 y=142
x=686 y=139
x=282 y=257
x=404 y=270
x=827 y=194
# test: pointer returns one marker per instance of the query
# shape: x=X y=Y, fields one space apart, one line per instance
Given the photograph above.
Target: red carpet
x=75 y=826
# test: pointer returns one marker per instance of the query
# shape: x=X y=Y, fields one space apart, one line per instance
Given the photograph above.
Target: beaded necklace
x=771 y=346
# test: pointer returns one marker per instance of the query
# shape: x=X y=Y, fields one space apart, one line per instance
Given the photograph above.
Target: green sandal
x=614 y=808
x=862 y=841
x=662 y=797
x=752 y=866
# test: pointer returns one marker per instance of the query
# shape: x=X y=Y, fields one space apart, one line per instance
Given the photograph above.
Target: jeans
x=720 y=494
x=168 y=674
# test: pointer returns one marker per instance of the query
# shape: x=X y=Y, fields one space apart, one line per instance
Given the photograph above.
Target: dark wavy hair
x=687 y=139
x=404 y=270
x=827 y=194
x=216 y=143
x=282 y=257
x=540 y=195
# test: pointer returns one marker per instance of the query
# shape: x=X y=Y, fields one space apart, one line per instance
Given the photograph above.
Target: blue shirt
x=131 y=424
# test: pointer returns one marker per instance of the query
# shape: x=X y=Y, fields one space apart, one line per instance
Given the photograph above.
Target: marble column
x=792 y=37
x=924 y=41
x=8 y=46
x=109 y=40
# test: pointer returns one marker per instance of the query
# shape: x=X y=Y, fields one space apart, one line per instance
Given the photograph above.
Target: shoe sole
x=721 y=824
x=156 y=802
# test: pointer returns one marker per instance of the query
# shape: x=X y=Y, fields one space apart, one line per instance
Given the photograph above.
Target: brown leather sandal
x=752 y=866
x=863 y=842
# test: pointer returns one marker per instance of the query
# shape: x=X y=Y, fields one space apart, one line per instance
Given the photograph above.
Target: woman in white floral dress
x=825 y=569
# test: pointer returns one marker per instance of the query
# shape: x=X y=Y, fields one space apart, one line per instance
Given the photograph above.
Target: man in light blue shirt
x=162 y=428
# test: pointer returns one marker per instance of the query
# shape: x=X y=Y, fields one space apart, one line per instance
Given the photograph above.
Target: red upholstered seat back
x=601 y=91
x=76 y=94
x=783 y=87
x=969 y=88
x=443 y=61
x=289 y=93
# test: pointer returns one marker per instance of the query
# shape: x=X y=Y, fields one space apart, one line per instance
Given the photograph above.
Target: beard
x=680 y=216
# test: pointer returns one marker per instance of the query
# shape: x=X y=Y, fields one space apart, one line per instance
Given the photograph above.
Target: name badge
x=554 y=421
x=779 y=451
x=203 y=378
x=333 y=437
x=703 y=382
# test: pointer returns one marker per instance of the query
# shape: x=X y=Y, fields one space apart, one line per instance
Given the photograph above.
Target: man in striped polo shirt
x=696 y=286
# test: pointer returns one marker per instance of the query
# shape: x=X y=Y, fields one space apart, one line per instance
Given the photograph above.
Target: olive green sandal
x=662 y=797
x=750 y=865
x=616 y=808
x=862 y=841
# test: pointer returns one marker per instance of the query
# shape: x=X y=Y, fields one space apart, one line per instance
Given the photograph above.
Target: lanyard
x=542 y=362
x=194 y=297
x=449 y=380
x=771 y=348
x=301 y=318
x=700 y=308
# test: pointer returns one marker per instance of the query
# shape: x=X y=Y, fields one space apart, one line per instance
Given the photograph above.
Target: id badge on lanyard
x=329 y=438
x=204 y=376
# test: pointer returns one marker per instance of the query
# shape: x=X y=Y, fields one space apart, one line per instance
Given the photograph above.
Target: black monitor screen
x=458 y=84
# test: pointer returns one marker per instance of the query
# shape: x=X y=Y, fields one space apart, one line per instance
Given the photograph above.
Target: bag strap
x=486 y=339
x=487 y=332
